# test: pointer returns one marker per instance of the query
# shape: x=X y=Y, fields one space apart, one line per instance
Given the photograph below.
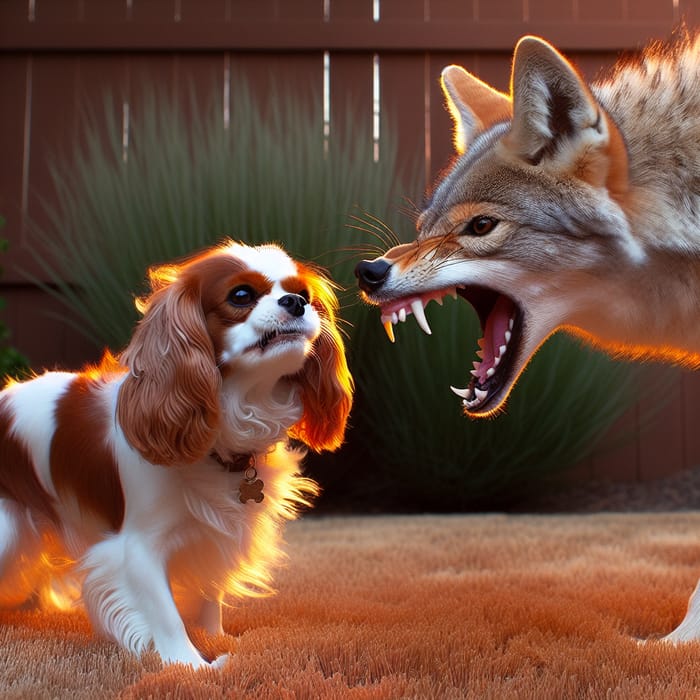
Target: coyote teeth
x=419 y=313
x=389 y=328
x=472 y=397
x=398 y=312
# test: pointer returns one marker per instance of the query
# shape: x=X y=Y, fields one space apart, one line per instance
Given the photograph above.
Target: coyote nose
x=293 y=303
x=371 y=274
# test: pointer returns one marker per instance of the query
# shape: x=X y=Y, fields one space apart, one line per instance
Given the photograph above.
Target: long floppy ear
x=325 y=380
x=168 y=403
x=474 y=105
x=558 y=122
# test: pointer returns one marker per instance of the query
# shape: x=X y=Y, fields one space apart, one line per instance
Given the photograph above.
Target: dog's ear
x=168 y=404
x=325 y=381
x=559 y=123
x=473 y=104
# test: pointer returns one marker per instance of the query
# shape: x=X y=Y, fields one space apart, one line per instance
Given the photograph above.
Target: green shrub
x=187 y=184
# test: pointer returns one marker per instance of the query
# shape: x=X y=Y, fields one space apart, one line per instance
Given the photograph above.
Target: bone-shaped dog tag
x=251 y=488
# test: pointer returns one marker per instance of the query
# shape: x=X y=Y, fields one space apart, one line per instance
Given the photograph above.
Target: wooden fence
x=58 y=57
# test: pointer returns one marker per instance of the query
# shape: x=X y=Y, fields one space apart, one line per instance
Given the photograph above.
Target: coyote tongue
x=495 y=340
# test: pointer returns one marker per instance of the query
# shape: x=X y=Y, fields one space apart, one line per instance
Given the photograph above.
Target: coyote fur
x=568 y=206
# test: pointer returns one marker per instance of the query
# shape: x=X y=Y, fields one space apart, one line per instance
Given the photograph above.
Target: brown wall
x=58 y=57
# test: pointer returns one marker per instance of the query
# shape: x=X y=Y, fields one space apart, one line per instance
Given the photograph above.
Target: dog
x=155 y=486
x=568 y=206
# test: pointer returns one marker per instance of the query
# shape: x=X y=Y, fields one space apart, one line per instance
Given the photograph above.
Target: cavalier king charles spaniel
x=154 y=486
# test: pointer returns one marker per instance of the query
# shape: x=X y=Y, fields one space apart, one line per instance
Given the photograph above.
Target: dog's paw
x=654 y=639
x=220 y=661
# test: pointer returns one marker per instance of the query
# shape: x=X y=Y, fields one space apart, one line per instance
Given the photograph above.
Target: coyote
x=568 y=206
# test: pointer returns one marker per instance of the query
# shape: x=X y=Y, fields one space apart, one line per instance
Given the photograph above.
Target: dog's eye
x=244 y=295
x=479 y=226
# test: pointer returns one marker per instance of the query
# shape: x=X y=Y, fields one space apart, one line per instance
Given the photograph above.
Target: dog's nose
x=371 y=274
x=293 y=303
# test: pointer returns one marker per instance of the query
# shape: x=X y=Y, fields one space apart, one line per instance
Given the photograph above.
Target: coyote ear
x=473 y=104
x=551 y=103
x=556 y=119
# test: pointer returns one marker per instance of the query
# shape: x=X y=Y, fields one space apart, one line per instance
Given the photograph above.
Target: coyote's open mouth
x=501 y=327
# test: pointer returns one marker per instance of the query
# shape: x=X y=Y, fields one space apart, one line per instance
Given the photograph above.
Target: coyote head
x=526 y=225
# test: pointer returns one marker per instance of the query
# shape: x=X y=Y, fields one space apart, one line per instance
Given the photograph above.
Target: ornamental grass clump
x=187 y=182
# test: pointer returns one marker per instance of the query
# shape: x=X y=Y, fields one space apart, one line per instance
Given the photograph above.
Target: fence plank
x=300 y=75
x=612 y=11
x=14 y=12
x=351 y=95
x=510 y=11
x=403 y=105
x=691 y=403
x=551 y=10
x=253 y=34
x=689 y=12
x=13 y=78
x=358 y=11
x=616 y=457
x=661 y=11
x=194 y=11
x=48 y=340
x=661 y=438
x=161 y=12
x=106 y=12
x=54 y=118
x=49 y=13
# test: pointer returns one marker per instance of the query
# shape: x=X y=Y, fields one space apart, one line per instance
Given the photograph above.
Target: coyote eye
x=479 y=226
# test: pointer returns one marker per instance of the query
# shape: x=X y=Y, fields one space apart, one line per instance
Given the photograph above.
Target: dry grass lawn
x=485 y=606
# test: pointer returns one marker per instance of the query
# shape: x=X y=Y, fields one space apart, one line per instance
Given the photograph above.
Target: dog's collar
x=236 y=462
x=250 y=488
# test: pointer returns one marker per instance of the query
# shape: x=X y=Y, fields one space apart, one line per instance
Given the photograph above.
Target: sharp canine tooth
x=389 y=328
x=480 y=395
x=490 y=372
x=394 y=318
x=419 y=313
x=496 y=360
x=402 y=315
x=508 y=336
x=501 y=350
x=462 y=393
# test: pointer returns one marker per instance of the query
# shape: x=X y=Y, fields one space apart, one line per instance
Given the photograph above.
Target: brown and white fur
x=122 y=485
x=568 y=206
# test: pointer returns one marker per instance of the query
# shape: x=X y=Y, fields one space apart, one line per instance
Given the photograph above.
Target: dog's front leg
x=689 y=628
x=209 y=617
x=128 y=596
